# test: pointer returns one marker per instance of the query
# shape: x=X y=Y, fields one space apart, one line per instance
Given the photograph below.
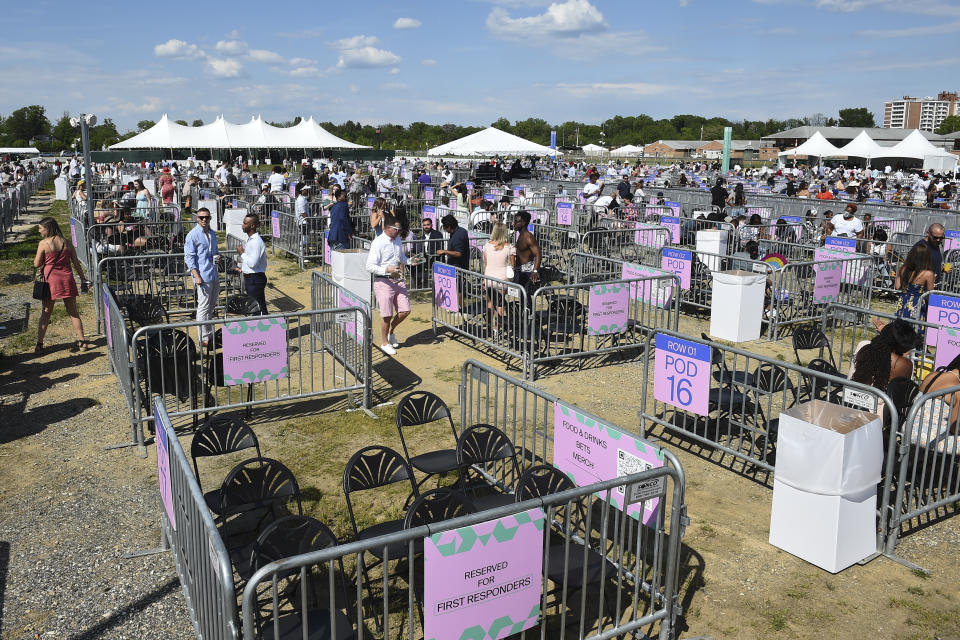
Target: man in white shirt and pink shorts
x=386 y=261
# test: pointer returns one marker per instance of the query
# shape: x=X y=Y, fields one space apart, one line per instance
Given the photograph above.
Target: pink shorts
x=391 y=296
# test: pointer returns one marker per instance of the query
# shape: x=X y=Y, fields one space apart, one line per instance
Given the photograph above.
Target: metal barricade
x=847 y=328
x=118 y=238
x=593 y=320
x=187 y=527
x=927 y=475
x=696 y=268
x=344 y=338
x=641 y=244
x=118 y=349
x=491 y=312
x=794 y=298
x=195 y=380
x=423 y=253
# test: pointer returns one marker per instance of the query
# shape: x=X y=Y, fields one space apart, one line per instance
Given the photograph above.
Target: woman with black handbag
x=54 y=258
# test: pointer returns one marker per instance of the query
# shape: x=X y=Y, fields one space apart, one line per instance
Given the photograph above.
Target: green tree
x=64 y=132
x=27 y=122
x=104 y=134
x=197 y=123
x=183 y=122
x=143 y=125
x=856 y=117
x=503 y=124
x=950 y=124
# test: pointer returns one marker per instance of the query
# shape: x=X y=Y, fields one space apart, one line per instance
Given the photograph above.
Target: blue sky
x=472 y=61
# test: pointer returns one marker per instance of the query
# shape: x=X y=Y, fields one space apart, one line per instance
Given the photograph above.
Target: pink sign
x=608 y=309
x=942 y=311
x=681 y=375
x=948 y=346
x=829 y=276
x=254 y=351
x=428 y=194
x=351 y=322
x=653 y=199
x=679 y=262
x=847 y=245
x=445 y=287
x=275 y=223
x=590 y=451
x=951 y=240
x=652 y=291
x=327 y=257
x=163 y=461
x=565 y=213
x=649 y=235
x=370 y=201
x=484 y=579
x=73 y=233
x=673 y=224
x=430 y=212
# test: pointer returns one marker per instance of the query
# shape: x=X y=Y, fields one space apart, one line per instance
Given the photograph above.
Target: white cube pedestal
x=712 y=241
x=349 y=270
x=831 y=532
x=737 y=306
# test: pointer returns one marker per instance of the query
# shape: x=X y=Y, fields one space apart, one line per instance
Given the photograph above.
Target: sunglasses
x=203 y=217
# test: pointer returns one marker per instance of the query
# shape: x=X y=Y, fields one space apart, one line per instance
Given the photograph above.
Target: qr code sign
x=629 y=464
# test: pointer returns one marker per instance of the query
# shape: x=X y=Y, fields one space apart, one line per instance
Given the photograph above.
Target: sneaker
x=392 y=339
x=387 y=349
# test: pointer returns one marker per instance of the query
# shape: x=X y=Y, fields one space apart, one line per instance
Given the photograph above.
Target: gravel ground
x=69 y=510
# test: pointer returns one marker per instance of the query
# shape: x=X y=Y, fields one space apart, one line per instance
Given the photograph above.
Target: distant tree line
x=30 y=126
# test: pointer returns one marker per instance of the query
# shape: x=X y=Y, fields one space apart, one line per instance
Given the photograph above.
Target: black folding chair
x=219 y=436
x=420 y=408
x=280 y=604
x=808 y=337
x=478 y=447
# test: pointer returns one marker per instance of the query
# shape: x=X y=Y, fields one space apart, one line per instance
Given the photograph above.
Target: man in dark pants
x=458 y=246
x=934 y=242
x=253 y=262
x=719 y=195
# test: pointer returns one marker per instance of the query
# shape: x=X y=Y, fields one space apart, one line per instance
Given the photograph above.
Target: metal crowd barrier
x=195 y=380
x=737 y=409
x=793 y=300
x=927 y=474
x=345 y=338
x=118 y=347
x=188 y=530
x=419 y=277
x=846 y=328
x=641 y=244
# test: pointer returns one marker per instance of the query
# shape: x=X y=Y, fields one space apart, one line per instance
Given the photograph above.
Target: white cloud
x=394 y=71
x=913 y=32
x=428 y=62
x=174 y=48
x=622 y=88
x=300 y=62
x=209 y=107
x=406 y=23
x=233 y=35
x=570 y=18
x=355 y=42
x=366 y=57
x=152 y=104
x=232 y=47
x=354 y=88
x=268 y=57
x=224 y=67
x=308 y=71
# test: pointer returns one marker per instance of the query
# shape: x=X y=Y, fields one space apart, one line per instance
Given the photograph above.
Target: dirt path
x=69 y=510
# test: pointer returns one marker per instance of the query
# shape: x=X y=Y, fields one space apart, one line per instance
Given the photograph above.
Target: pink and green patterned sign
x=351 y=323
x=484 y=581
x=589 y=451
x=652 y=291
x=608 y=309
x=829 y=275
x=254 y=351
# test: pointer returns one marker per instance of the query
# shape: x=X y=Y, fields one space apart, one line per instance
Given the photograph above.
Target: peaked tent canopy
x=593 y=148
x=915 y=146
x=817 y=146
x=220 y=134
x=863 y=146
x=492 y=142
x=627 y=150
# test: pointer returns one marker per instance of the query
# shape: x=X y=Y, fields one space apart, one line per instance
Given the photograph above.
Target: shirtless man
x=528 y=251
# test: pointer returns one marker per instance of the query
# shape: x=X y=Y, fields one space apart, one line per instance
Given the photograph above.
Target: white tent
x=917 y=147
x=626 y=150
x=492 y=142
x=863 y=146
x=19 y=150
x=220 y=134
x=816 y=145
x=593 y=149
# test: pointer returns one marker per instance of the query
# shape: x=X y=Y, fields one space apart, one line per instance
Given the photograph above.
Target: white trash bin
x=829 y=460
x=737 y=306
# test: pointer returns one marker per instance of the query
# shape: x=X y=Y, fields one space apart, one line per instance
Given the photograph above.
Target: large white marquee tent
x=492 y=142
x=914 y=147
x=626 y=150
x=220 y=134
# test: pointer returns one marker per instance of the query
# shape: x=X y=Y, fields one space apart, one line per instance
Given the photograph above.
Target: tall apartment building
x=920 y=113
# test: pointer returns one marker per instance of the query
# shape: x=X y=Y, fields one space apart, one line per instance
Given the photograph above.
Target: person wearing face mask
x=847 y=224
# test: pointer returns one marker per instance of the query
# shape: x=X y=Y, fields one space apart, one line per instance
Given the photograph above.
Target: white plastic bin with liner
x=829 y=460
x=349 y=270
x=712 y=241
x=737 y=306
x=233 y=222
x=60 y=189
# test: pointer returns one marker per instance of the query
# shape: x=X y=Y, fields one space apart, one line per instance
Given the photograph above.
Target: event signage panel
x=952 y=240
x=370 y=201
x=672 y=223
x=351 y=323
x=829 y=275
x=163 y=461
x=429 y=211
x=565 y=213
x=327 y=256
x=275 y=223
x=428 y=194
x=673 y=205
x=484 y=580
x=608 y=309
x=254 y=351
x=795 y=223
x=652 y=291
x=445 y=287
x=648 y=235
x=679 y=262
x=590 y=451
x=948 y=346
x=681 y=375
x=73 y=233
x=942 y=311
x=848 y=245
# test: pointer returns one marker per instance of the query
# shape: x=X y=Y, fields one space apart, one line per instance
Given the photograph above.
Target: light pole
x=86 y=120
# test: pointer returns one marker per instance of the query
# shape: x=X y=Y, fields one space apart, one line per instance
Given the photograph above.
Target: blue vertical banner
x=553 y=139
x=727 y=135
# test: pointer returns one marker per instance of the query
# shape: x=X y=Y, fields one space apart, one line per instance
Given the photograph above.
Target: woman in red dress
x=54 y=257
x=166 y=186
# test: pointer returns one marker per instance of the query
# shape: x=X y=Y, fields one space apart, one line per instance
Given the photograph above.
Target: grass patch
x=451 y=374
x=920 y=573
x=707 y=530
x=916 y=591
